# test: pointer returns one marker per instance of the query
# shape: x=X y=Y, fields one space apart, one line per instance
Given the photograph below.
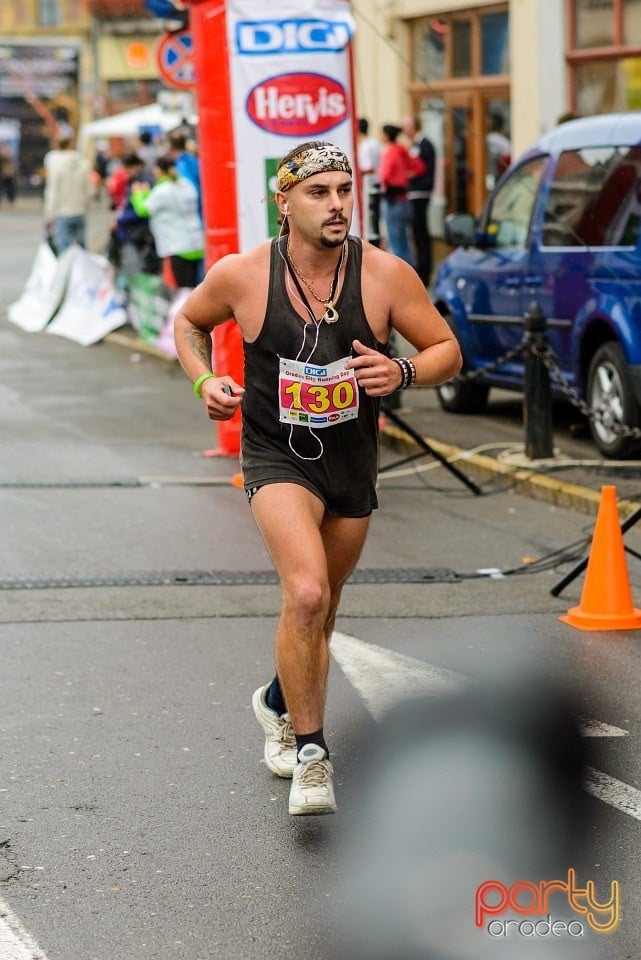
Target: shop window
x=607 y=86
x=461 y=48
x=429 y=43
x=632 y=22
x=604 y=55
x=494 y=44
x=596 y=87
x=48 y=13
x=461 y=174
x=154 y=87
x=594 y=198
x=124 y=91
x=594 y=23
x=465 y=44
x=122 y=94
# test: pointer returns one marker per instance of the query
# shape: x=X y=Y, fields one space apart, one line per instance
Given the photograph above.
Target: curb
x=138 y=346
x=527 y=482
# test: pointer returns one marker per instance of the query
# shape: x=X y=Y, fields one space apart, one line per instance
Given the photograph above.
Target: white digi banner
x=290 y=80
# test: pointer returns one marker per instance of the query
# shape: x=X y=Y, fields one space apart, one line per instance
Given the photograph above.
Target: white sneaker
x=312 y=790
x=280 y=741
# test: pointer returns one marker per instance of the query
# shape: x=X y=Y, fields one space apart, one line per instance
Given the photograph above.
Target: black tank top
x=344 y=476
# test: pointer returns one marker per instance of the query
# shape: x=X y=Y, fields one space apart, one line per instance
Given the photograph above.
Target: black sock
x=274 y=698
x=318 y=738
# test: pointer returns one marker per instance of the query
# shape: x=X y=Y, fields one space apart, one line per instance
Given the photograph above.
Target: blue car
x=561 y=230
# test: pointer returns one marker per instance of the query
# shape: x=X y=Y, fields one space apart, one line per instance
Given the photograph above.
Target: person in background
x=420 y=192
x=187 y=163
x=395 y=170
x=147 y=150
x=186 y=128
x=51 y=156
x=131 y=245
x=100 y=168
x=8 y=174
x=369 y=159
x=117 y=181
x=172 y=208
x=66 y=198
x=64 y=130
x=499 y=150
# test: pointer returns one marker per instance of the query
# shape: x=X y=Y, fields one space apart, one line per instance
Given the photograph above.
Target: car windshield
x=510 y=211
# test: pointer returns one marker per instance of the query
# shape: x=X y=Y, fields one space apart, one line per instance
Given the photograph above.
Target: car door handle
x=512 y=282
x=534 y=281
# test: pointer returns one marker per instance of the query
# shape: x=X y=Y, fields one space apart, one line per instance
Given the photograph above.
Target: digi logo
x=256 y=38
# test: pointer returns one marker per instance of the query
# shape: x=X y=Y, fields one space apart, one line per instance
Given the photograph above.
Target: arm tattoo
x=200 y=345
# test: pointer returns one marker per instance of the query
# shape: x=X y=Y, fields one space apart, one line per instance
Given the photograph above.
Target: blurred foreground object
x=482 y=785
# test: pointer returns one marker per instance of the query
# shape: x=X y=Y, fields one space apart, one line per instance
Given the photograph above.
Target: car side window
x=594 y=198
x=510 y=210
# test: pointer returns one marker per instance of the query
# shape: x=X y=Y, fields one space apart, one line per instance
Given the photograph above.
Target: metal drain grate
x=218 y=578
x=78 y=484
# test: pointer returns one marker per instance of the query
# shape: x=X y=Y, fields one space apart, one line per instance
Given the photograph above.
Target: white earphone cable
x=317 y=324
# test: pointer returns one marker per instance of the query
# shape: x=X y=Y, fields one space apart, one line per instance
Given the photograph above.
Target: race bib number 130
x=317 y=396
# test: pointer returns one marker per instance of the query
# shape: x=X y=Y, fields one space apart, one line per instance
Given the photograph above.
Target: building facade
x=478 y=72
x=63 y=62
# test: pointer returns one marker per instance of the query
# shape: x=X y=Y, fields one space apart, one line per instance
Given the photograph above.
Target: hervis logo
x=267 y=37
x=297 y=104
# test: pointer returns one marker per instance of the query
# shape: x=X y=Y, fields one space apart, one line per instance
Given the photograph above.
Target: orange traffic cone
x=606 y=600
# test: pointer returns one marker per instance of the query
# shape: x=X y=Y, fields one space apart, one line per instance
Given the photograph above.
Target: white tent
x=131 y=122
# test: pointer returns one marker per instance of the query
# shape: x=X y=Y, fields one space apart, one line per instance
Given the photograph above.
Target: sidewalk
x=490 y=447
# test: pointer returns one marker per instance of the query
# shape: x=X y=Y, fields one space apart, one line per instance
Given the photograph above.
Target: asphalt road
x=137 y=617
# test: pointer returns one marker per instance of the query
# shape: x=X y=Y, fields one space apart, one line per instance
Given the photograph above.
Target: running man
x=316 y=307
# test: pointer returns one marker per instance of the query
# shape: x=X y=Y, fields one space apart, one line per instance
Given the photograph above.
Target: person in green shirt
x=172 y=208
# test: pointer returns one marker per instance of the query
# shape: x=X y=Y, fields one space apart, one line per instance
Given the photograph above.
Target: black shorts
x=334 y=509
x=343 y=477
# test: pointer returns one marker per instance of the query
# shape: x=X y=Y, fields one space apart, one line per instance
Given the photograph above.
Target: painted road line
x=594 y=728
x=382 y=678
x=614 y=792
x=15 y=942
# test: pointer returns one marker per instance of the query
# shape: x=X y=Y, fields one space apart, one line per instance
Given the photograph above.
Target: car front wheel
x=610 y=395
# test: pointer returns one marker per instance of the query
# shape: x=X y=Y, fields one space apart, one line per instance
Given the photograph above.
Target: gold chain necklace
x=331 y=313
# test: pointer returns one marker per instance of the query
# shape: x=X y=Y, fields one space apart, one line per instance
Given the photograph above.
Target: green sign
x=271 y=167
x=148 y=305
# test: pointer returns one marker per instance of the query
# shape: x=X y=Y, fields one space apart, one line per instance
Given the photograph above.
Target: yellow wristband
x=199 y=382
